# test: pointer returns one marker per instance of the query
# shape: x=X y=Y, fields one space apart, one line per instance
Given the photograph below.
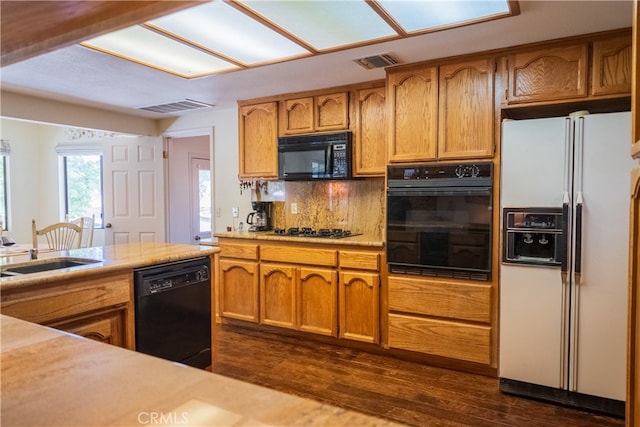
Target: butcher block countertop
x=52 y=378
x=111 y=259
x=270 y=236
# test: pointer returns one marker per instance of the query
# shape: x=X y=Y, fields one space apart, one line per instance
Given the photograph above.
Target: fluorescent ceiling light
x=425 y=15
x=147 y=47
x=221 y=36
x=325 y=24
x=228 y=32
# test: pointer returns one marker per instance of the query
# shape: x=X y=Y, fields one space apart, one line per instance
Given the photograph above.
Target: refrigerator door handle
x=577 y=270
x=568 y=143
x=563 y=243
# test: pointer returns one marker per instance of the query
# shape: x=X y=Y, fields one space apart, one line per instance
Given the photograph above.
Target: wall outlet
x=294 y=208
x=235 y=212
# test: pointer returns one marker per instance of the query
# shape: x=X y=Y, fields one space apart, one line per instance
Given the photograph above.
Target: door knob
x=196 y=238
x=108 y=225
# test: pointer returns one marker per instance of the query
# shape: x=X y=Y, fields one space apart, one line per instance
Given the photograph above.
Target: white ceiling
x=87 y=77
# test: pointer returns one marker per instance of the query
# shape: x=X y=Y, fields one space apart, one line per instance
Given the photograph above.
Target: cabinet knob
x=108 y=225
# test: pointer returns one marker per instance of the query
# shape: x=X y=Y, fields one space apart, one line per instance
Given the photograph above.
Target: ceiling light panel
x=423 y=15
x=152 y=49
x=225 y=30
x=325 y=24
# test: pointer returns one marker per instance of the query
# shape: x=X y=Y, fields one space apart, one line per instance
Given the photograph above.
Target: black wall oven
x=439 y=220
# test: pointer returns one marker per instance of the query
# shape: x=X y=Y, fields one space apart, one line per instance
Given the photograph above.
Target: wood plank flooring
x=406 y=392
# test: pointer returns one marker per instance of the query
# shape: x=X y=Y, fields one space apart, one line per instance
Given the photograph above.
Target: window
x=83 y=186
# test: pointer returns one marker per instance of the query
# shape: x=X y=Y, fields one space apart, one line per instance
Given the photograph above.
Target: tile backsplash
x=356 y=205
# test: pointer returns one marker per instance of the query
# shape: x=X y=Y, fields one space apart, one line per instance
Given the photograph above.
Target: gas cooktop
x=329 y=233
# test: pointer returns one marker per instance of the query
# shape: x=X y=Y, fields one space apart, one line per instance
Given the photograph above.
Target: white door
x=133 y=190
x=188 y=163
x=200 y=203
x=601 y=296
x=533 y=298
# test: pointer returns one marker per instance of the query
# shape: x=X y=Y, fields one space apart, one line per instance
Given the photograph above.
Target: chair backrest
x=59 y=236
x=87 y=228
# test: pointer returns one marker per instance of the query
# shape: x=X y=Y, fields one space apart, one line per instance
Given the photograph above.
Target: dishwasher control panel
x=170 y=276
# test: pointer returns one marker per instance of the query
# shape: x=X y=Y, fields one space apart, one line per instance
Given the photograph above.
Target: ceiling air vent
x=377 y=61
x=176 y=107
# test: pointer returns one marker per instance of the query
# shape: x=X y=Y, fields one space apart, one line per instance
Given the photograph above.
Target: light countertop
x=359 y=240
x=52 y=378
x=111 y=258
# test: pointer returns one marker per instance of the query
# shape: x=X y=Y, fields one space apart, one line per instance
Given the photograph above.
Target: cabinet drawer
x=69 y=299
x=299 y=255
x=360 y=260
x=441 y=338
x=239 y=250
x=442 y=299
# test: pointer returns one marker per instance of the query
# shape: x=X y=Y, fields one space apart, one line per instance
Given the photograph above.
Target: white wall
x=34 y=164
x=225 y=161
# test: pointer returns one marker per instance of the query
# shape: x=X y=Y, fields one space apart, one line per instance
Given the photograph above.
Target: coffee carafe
x=260 y=219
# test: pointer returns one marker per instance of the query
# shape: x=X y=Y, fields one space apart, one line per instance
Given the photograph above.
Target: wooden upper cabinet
x=548 y=74
x=370 y=132
x=611 y=66
x=258 y=141
x=332 y=112
x=413 y=108
x=466 y=110
x=318 y=113
x=297 y=115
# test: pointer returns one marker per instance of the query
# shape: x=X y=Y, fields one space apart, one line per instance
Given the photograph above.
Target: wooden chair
x=87 y=228
x=59 y=236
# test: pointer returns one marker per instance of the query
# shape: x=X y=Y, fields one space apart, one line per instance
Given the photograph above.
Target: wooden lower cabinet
x=99 y=307
x=239 y=290
x=438 y=337
x=278 y=295
x=444 y=318
x=360 y=306
x=318 y=301
x=303 y=298
x=107 y=327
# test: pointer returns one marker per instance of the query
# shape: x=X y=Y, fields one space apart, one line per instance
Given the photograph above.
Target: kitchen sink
x=45 y=265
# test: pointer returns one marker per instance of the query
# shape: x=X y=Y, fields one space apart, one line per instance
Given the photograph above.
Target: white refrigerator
x=563 y=336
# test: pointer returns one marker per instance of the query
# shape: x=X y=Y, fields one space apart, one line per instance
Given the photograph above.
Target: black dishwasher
x=173 y=311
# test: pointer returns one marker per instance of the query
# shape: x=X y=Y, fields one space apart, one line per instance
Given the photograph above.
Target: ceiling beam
x=31 y=28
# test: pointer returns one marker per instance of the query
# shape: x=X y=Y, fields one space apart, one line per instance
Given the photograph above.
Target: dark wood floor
x=406 y=392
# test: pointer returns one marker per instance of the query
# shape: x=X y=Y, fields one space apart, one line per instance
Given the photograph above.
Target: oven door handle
x=421 y=192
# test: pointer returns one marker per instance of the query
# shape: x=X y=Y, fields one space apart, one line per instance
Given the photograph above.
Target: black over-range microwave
x=315 y=156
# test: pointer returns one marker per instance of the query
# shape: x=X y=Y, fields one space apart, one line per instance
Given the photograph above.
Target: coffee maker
x=260 y=219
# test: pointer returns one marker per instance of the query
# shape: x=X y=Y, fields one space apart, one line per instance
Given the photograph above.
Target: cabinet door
x=466 y=110
x=611 y=66
x=359 y=301
x=239 y=290
x=332 y=112
x=413 y=123
x=318 y=301
x=107 y=327
x=371 y=133
x=549 y=74
x=258 y=136
x=278 y=295
x=296 y=116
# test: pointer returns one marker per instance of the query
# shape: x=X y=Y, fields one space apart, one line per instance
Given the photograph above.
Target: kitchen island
x=52 y=378
x=93 y=300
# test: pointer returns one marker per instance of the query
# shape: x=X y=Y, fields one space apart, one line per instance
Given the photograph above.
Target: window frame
x=80 y=149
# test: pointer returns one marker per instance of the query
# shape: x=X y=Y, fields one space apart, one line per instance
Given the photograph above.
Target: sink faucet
x=33 y=253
